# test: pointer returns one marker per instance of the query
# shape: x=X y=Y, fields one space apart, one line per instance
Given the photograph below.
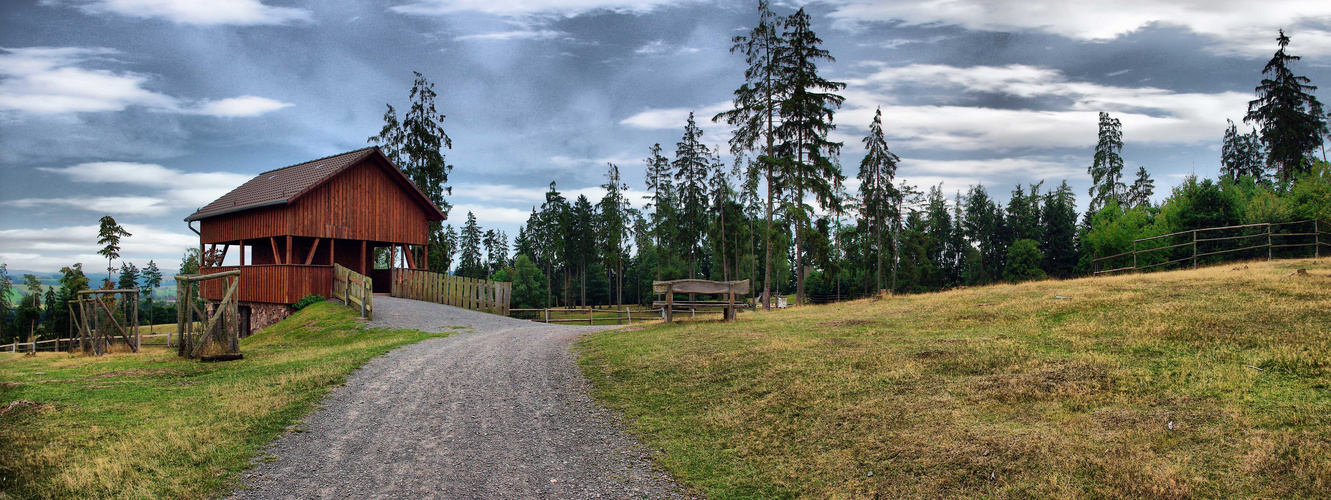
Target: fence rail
x=1158 y=251
x=352 y=287
x=71 y=343
x=619 y=316
x=467 y=293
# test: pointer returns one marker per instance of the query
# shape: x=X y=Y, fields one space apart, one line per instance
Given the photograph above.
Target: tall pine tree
x=1107 y=168
x=1241 y=155
x=877 y=194
x=691 y=172
x=1290 y=117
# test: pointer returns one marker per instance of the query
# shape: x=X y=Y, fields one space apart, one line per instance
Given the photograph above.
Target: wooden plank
x=288 y=261
x=276 y=258
x=310 y=257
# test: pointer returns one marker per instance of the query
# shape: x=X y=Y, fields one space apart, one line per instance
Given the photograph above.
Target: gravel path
x=499 y=410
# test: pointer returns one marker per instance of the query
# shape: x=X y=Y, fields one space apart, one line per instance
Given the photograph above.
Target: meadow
x=1209 y=383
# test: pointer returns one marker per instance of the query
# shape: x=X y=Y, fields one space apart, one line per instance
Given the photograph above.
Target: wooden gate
x=354 y=288
x=221 y=328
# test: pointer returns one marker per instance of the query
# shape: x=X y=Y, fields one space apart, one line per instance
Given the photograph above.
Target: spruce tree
x=1107 y=168
x=877 y=194
x=1290 y=117
x=1241 y=155
x=756 y=114
x=129 y=276
x=152 y=278
x=614 y=210
x=661 y=201
x=6 y=288
x=1058 y=217
x=469 y=263
x=1139 y=194
x=806 y=113
x=691 y=173
x=109 y=236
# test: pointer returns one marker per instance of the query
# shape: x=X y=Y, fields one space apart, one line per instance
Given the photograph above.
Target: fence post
x=1268 y=242
x=590 y=318
x=1194 y=249
x=1134 y=255
x=1317 y=238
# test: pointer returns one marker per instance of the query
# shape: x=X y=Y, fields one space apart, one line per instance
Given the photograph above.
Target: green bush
x=307 y=300
x=1023 y=262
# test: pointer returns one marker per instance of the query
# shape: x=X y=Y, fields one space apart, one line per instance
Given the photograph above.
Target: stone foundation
x=255 y=316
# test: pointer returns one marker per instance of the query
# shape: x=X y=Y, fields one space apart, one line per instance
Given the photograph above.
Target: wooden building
x=290 y=225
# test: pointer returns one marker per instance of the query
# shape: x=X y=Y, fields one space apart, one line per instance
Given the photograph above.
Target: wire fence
x=1218 y=244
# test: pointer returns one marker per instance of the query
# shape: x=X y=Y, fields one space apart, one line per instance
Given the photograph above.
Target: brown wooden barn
x=298 y=221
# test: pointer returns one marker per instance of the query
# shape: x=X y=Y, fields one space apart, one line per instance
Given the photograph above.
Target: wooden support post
x=277 y=259
x=138 y=337
x=669 y=311
x=240 y=247
x=332 y=249
x=591 y=320
x=363 y=261
x=288 y=252
x=425 y=257
x=310 y=257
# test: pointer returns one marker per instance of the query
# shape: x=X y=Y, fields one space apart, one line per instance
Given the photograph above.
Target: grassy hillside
x=153 y=425
x=1212 y=383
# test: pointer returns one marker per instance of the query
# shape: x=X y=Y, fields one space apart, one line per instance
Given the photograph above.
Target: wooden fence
x=354 y=288
x=71 y=343
x=1165 y=250
x=561 y=315
x=467 y=293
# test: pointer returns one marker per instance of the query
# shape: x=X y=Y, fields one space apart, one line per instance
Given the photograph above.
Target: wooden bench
x=729 y=289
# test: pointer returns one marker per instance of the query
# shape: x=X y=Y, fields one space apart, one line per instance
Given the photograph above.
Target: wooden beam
x=241 y=248
x=332 y=247
x=277 y=259
x=288 y=261
x=225 y=247
x=425 y=257
x=310 y=258
x=411 y=261
x=362 y=257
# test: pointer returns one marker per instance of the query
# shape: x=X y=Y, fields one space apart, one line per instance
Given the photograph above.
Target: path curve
x=499 y=410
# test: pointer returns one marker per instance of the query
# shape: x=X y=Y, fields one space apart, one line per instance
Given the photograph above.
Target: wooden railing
x=467 y=293
x=574 y=315
x=354 y=288
x=1165 y=250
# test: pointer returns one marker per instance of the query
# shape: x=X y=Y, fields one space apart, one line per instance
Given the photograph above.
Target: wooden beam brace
x=310 y=258
x=240 y=247
x=411 y=261
x=277 y=259
x=288 y=261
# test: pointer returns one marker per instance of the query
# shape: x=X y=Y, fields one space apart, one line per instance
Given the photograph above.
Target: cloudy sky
x=148 y=109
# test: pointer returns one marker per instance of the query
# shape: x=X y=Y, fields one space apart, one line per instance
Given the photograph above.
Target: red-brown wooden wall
x=361 y=203
x=274 y=284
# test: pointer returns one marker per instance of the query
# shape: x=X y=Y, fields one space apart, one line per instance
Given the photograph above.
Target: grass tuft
x=1209 y=383
x=153 y=425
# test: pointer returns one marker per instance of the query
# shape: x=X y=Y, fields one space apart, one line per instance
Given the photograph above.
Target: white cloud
x=514 y=35
x=207 y=13
x=240 y=106
x=114 y=205
x=676 y=118
x=56 y=81
x=661 y=47
x=1149 y=115
x=46 y=80
x=179 y=189
x=525 y=8
x=49 y=249
x=1234 y=26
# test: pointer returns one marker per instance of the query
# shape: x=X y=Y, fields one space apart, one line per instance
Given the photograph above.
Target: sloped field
x=1210 y=383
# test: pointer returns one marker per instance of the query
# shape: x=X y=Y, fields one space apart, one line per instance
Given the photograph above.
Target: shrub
x=306 y=301
x=1023 y=262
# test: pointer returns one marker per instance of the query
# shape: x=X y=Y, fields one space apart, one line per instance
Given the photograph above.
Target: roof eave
x=198 y=216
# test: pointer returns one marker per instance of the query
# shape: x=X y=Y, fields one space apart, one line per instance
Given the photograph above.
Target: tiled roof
x=284 y=185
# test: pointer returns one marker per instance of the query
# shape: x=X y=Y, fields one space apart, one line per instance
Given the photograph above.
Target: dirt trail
x=498 y=410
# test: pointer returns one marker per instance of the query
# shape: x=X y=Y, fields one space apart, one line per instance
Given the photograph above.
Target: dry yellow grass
x=1205 y=383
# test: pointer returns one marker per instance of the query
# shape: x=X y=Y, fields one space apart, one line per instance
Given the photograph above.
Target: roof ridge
x=318 y=159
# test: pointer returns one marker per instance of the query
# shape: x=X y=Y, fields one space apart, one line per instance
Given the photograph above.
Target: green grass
x=997 y=392
x=152 y=425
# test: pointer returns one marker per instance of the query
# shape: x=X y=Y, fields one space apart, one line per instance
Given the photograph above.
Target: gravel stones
x=497 y=410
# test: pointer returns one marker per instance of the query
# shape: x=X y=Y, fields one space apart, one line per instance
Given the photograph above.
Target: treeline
x=782 y=206
x=44 y=315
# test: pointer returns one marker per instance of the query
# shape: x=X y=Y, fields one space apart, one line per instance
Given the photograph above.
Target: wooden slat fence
x=457 y=291
x=1190 y=246
x=354 y=288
